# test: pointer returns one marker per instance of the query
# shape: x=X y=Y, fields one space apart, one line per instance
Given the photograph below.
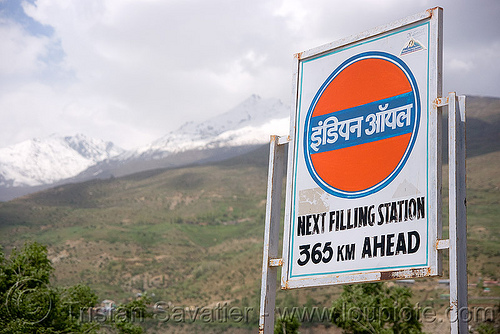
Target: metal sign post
x=457 y=242
x=363 y=193
x=271 y=262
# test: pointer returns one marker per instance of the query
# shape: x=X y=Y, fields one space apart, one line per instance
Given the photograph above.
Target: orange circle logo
x=362 y=125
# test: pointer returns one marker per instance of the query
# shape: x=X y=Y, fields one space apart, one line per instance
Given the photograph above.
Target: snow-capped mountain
x=249 y=123
x=38 y=164
x=45 y=161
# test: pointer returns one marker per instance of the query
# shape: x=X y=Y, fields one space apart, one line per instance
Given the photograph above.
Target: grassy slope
x=193 y=236
x=159 y=228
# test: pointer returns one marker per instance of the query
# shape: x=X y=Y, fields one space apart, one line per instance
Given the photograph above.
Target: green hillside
x=193 y=236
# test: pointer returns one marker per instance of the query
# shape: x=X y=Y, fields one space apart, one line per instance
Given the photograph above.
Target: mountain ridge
x=247 y=123
x=57 y=159
x=230 y=134
x=32 y=162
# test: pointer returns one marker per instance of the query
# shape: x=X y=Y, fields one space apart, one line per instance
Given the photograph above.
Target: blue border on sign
x=416 y=96
x=292 y=242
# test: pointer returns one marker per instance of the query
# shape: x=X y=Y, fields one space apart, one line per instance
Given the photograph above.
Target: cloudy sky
x=131 y=71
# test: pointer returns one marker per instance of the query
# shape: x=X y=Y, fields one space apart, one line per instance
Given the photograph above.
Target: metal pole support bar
x=271 y=262
x=457 y=243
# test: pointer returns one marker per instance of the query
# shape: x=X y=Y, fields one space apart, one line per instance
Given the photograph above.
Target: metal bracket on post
x=271 y=262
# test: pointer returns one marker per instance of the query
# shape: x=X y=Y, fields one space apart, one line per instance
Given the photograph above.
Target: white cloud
x=473 y=71
x=131 y=71
x=159 y=58
x=21 y=54
x=455 y=64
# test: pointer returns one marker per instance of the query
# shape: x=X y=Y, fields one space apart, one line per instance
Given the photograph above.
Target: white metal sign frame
x=304 y=261
x=457 y=242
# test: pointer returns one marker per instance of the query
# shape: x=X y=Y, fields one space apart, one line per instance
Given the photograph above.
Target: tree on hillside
x=30 y=305
x=287 y=325
x=374 y=308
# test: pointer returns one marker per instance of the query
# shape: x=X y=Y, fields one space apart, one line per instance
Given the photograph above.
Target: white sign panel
x=363 y=195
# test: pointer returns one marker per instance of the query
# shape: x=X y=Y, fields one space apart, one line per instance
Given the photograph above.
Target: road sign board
x=364 y=176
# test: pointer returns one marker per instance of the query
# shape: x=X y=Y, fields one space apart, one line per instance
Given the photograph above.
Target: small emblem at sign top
x=412 y=46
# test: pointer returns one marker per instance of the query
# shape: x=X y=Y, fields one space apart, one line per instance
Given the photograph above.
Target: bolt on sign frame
x=363 y=191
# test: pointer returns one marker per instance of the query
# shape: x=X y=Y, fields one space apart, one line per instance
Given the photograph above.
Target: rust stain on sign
x=298 y=55
x=430 y=11
x=402 y=274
